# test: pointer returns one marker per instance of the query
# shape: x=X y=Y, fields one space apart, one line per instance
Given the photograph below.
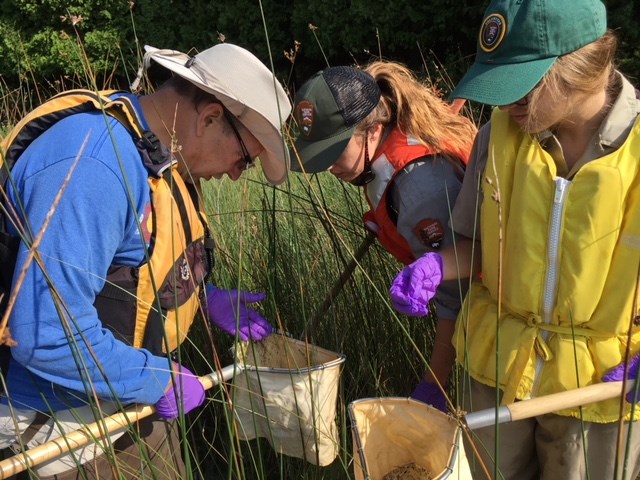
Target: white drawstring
x=151 y=52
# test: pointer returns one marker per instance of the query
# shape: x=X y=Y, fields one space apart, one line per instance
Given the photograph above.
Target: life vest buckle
x=155 y=156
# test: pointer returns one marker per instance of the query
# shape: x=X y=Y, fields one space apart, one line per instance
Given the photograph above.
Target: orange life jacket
x=399 y=150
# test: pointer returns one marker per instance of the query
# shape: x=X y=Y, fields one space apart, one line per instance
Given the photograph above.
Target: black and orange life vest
x=399 y=150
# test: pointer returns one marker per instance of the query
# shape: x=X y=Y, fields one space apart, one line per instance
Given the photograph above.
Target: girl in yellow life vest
x=383 y=130
x=556 y=176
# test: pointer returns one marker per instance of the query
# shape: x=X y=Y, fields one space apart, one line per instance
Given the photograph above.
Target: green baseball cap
x=520 y=40
x=327 y=108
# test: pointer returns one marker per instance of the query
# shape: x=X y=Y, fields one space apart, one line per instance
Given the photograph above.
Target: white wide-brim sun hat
x=246 y=87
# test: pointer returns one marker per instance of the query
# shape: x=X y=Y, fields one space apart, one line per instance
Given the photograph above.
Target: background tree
x=48 y=45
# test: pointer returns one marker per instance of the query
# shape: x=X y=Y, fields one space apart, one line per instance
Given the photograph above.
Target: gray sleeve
x=465 y=218
x=425 y=193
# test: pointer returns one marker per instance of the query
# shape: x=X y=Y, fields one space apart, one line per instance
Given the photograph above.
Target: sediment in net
x=409 y=471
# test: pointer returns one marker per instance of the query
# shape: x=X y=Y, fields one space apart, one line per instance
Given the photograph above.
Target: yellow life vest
x=152 y=306
x=582 y=330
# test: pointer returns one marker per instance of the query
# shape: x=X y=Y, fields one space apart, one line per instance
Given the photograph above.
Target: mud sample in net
x=410 y=471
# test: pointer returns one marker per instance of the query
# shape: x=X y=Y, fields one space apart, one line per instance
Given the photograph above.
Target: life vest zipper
x=551 y=278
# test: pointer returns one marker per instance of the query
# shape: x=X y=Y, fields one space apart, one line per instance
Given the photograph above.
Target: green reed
x=293 y=242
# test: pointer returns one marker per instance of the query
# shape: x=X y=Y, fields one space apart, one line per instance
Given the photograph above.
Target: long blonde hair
x=583 y=72
x=415 y=109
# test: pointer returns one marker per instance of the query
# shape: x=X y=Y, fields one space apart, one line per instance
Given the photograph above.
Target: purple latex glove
x=617 y=374
x=431 y=394
x=189 y=390
x=228 y=310
x=416 y=284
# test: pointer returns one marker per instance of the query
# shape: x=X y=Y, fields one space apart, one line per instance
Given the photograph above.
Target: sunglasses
x=525 y=100
x=246 y=158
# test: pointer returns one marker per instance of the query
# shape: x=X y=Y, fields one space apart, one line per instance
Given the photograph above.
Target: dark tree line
x=46 y=43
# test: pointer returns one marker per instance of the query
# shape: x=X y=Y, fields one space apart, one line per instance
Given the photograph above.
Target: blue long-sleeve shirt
x=94 y=226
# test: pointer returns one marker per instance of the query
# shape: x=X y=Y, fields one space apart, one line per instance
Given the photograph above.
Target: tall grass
x=293 y=242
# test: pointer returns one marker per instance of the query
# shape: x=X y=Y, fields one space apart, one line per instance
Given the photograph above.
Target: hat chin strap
x=146 y=61
x=150 y=52
x=367 y=175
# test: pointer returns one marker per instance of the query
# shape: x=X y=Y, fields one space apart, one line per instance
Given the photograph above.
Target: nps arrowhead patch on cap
x=304 y=113
x=430 y=233
x=492 y=32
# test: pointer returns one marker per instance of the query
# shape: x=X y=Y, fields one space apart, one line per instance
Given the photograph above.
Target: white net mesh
x=287 y=394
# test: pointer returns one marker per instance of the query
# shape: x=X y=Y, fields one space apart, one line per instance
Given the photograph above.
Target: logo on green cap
x=304 y=116
x=492 y=32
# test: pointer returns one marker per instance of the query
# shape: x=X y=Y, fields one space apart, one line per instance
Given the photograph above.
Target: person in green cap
x=552 y=190
x=382 y=129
